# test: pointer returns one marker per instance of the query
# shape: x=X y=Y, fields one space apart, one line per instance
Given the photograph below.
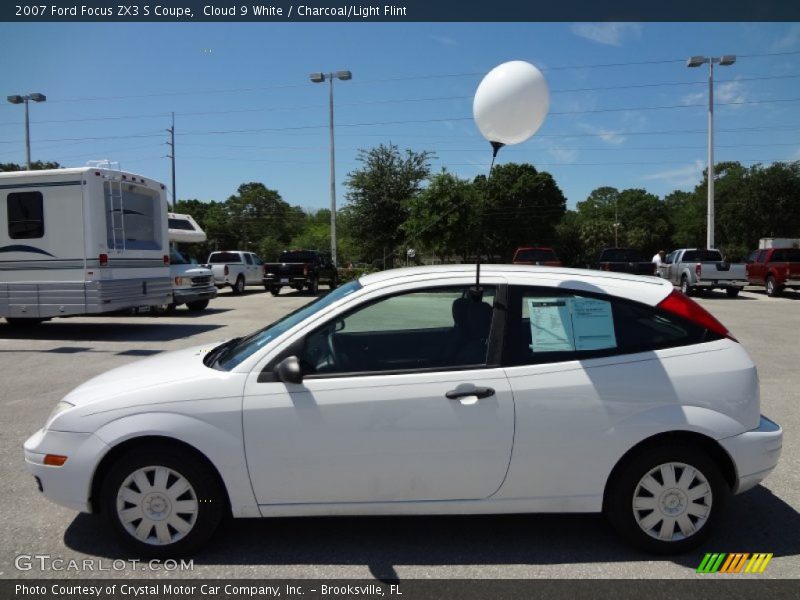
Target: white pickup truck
x=696 y=268
x=236 y=269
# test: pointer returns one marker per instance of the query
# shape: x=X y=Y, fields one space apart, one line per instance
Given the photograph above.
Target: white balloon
x=511 y=102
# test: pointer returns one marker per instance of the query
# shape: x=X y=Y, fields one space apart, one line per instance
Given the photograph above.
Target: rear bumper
x=792 y=283
x=732 y=283
x=277 y=280
x=755 y=453
x=182 y=296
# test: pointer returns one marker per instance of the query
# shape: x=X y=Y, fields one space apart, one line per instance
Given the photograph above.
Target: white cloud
x=610 y=34
x=444 y=40
x=790 y=40
x=682 y=176
x=733 y=93
x=609 y=136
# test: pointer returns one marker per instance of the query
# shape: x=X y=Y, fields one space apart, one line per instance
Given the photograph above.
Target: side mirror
x=289 y=371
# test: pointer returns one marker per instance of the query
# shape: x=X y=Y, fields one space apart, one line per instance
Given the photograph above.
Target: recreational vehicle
x=192 y=285
x=79 y=241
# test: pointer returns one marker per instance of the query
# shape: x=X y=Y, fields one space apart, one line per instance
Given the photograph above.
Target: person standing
x=658 y=260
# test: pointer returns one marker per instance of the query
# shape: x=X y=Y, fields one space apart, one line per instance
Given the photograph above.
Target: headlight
x=60 y=407
x=179 y=281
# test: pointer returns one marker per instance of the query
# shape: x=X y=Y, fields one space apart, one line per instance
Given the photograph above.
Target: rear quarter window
x=546 y=326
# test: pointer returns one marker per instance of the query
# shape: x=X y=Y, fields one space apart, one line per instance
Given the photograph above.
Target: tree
x=520 y=206
x=686 y=213
x=214 y=219
x=36 y=165
x=378 y=196
x=444 y=217
x=257 y=212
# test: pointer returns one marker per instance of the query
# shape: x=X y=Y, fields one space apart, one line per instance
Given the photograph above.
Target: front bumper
x=70 y=484
x=755 y=453
x=185 y=295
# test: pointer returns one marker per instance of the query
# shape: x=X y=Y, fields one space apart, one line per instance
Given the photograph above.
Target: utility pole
x=171 y=144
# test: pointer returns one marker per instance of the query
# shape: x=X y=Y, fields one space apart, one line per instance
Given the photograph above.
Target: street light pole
x=319 y=78
x=17 y=99
x=724 y=61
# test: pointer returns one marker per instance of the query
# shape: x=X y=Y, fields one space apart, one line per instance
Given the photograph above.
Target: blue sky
x=245 y=110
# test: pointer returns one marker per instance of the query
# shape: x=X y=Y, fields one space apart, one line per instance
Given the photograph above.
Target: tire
x=334 y=283
x=197 y=305
x=772 y=288
x=313 y=286
x=24 y=322
x=162 y=467
x=732 y=292
x=274 y=290
x=673 y=505
x=238 y=286
x=685 y=287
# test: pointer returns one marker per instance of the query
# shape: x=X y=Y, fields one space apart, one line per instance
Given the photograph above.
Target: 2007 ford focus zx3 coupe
x=415 y=391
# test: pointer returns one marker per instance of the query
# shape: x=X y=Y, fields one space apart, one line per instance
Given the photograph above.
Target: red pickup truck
x=527 y=255
x=775 y=269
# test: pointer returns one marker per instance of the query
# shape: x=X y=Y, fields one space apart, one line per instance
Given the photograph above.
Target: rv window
x=25 y=215
x=183 y=224
x=133 y=217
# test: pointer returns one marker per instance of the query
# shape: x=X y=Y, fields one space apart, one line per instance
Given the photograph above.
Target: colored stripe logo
x=735 y=562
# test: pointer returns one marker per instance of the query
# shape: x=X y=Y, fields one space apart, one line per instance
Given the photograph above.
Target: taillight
x=606 y=267
x=678 y=303
x=103 y=258
x=166 y=259
x=698 y=268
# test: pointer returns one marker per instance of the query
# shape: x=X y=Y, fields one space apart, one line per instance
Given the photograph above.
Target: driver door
x=399 y=402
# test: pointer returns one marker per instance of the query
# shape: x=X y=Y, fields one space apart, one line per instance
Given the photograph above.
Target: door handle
x=477 y=392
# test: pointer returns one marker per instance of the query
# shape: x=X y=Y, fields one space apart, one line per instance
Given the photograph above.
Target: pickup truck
x=775 y=269
x=300 y=269
x=536 y=256
x=236 y=269
x=702 y=269
x=623 y=260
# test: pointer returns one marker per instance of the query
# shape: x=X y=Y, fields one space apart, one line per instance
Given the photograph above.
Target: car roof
x=647 y=289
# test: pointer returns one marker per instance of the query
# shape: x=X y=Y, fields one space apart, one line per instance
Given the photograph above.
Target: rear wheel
x=772 y=287
x=274 y=290
x=732 y=292
x=667 y=500
x=334 y=283
x=197 y=305
x=238 y=286
x=163 y=501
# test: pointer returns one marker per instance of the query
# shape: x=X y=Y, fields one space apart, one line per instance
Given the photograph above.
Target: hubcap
x=157 y=505
x=672 y=502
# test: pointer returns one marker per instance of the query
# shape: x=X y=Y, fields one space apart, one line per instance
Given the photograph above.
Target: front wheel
x=667 y=500
x=685 y=287
x=162 y=501
x=313 y=286
x=197 y=305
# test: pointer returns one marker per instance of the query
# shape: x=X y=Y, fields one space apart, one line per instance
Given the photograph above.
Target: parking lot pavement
x=38 y=367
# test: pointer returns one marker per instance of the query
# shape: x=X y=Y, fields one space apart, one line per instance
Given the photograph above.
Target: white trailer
x=79 y=241
x=766 y=243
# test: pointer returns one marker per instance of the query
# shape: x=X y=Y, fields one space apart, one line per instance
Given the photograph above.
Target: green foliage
x=520 y=206
x=36 y=165
x=378 y=196
x=350 y=273
x=444 y=218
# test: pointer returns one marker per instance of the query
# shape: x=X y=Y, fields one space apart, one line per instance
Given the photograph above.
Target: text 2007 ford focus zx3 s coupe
x=415 y=391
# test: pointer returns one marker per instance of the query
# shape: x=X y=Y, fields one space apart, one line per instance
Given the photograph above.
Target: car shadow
x=757 y=521
x=146 y=331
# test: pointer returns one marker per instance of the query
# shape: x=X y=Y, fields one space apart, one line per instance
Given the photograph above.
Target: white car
x=412 y=391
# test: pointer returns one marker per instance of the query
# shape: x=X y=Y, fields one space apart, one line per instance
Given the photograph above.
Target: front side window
x=25 y=215
x=546 y=325
x=439 y=328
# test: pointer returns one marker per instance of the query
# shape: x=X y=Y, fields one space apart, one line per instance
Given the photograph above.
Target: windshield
x=540 y=254
x=176 y=258
x=247 y=346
